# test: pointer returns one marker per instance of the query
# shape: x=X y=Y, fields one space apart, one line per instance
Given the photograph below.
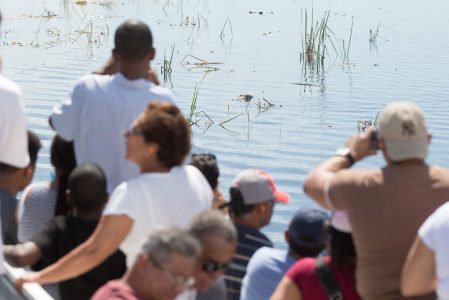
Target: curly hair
x=165 y=125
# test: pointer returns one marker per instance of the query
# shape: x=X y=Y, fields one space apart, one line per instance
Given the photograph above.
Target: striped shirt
x=38 y=206
x=249 y=240
x=8 y=205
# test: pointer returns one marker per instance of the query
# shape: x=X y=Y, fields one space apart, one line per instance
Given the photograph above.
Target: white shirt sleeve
x=435 y=223
x=65 y=115
x=122 y=202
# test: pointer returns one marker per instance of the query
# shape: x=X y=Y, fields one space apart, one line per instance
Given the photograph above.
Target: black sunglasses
x=212 y=266
x=208 y=155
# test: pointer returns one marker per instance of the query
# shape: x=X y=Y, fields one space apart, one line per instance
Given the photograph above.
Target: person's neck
x=293 y=254
x=10 y=184
x=408 y=162
x=154 y=168
x=134 y=70
x=135 y=282
x=247 y=220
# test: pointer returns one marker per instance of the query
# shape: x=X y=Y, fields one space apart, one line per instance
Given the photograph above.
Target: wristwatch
x=346 y=153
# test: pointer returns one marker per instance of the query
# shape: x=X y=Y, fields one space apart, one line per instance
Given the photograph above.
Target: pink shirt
x=116 y=290
x=304 y=276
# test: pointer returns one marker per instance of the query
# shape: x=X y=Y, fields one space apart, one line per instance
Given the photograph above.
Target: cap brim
x=281 y=197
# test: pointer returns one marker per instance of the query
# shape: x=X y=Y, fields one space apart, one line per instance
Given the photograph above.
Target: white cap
x=403 y=128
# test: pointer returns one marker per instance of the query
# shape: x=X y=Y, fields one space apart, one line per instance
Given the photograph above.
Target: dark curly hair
x=62 y=157
x=165 y=125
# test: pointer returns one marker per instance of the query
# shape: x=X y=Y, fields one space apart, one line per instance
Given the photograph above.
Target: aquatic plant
x=196 y=90
x=222 y=34
x=317 y=37
x=364 y=124
x=166 y=68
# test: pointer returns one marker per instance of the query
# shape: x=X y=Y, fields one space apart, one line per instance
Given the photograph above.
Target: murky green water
x=47 y=45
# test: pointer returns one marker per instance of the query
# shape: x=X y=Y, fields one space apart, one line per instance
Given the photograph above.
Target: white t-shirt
x=154 y=199
x=435 y=234
x=13 y=136
x=97 y=113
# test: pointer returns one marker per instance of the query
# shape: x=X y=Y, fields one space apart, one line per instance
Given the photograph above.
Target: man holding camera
x=385 y=206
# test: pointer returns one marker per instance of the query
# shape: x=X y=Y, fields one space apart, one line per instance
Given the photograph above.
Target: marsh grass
x=364 y=124
x=166 y=68
x=318 y=41
x=196 y=91
x=222 y=34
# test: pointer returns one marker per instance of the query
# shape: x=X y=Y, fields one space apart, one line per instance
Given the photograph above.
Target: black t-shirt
x=61 y=235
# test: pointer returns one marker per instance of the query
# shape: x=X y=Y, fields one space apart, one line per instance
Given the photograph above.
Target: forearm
x=22 y=255
x=79 y=261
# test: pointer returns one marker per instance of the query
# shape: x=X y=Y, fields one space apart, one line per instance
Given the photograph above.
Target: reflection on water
x=297 y=116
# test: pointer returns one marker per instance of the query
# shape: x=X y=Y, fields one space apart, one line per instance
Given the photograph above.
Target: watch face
x=343 y=152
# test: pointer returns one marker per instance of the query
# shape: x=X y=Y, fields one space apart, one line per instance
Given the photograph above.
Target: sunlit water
x=48 y=45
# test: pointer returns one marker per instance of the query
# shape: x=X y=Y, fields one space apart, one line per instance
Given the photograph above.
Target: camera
x=374 y=143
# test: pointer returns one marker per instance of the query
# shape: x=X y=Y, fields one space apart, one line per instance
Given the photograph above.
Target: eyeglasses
x=177 y=280
x=211 y=266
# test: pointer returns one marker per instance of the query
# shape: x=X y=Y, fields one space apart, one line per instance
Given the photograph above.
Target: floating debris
x=197 y=62
x=261 y=12
x=245 y=98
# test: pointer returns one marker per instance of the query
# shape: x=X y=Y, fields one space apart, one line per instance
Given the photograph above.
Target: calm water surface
x=48 y=45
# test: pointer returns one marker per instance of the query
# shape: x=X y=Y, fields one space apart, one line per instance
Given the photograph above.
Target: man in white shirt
x=13 y=135
x=101 y=107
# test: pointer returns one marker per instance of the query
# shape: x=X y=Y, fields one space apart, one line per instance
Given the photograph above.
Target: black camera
x=374 y=143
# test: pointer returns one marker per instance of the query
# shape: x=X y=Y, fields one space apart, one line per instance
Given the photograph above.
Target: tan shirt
x=386 y=207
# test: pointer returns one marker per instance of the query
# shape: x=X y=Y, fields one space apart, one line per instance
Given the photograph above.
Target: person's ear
x=287 y=237
x=429 y=138
x=151 y=54
x=152 y=148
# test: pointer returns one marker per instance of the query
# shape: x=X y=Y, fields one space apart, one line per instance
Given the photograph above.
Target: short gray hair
x=212 y=222
x=170 y=239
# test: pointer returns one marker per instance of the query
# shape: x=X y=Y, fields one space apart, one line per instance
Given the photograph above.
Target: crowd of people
x=132 y=214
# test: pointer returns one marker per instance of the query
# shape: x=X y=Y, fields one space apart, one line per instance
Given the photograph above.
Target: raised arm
x=286 y=290
x=21 y=255
x=107 y=237
x=418 y=274
x=315 y=184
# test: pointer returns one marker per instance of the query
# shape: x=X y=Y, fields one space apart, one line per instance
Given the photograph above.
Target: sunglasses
x=175 y=279
x=211 y=266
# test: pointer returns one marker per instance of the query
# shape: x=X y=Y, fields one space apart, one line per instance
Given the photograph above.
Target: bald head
x=87 y=187
x=133 y=40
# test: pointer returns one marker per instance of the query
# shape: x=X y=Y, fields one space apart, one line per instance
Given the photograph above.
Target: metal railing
x=30 y=291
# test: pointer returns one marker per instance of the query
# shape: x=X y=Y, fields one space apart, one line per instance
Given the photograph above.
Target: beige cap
x=404 y=131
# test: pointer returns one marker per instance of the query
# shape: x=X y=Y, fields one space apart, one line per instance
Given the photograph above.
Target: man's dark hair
x=133 y=40
x=207 y=164
x=237 y=206
x=87 y=187
x=34 y=145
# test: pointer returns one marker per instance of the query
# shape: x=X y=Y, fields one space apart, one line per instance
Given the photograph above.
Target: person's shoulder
x=358 y=176
x=8 y=86
x=160 y=90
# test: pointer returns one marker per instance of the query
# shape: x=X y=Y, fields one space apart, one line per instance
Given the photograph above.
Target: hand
x=360 y=145
x=26 y=278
